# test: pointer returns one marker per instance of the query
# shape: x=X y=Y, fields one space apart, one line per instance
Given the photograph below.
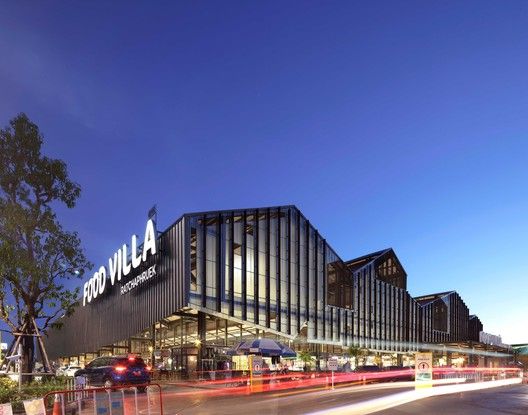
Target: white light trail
x=397 y=399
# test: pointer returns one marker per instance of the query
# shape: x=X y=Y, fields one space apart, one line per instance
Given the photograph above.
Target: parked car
x=109 y=371
x=70 y=371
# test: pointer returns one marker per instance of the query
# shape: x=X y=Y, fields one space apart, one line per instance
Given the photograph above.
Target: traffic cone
x=57 y=405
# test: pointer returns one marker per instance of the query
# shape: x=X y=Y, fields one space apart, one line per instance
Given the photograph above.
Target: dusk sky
x=389 y=124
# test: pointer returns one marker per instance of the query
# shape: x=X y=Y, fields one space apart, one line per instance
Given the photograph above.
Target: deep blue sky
x=400 y=124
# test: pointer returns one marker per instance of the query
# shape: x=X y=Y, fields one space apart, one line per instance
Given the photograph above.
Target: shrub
x=36 y=389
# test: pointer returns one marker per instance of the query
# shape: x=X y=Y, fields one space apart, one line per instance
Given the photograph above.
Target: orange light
x=120 y=369
x=149 y=368
x=131 y=358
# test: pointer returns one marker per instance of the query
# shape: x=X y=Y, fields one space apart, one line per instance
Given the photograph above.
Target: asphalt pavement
x=508 y=400
x=512 y=400
x=283 y=402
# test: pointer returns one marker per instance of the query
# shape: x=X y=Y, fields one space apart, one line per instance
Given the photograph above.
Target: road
x=285 y=402
x=510 y=400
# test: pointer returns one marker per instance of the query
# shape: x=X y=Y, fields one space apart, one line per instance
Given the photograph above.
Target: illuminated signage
x=120 y=266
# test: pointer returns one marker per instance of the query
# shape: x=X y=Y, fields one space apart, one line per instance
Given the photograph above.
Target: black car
x=109 y=371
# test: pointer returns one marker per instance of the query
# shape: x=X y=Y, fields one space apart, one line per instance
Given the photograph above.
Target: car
x=70 y=370
x=110 y=371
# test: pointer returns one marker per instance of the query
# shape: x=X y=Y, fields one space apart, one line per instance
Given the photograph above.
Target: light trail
x=296 y=383
x=397 y=399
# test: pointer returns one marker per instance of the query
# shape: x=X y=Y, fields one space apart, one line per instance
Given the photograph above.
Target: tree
x=356 y=352
x=306 y=357
x=37 y=256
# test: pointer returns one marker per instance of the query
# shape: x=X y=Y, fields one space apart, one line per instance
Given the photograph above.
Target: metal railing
x=115 y=400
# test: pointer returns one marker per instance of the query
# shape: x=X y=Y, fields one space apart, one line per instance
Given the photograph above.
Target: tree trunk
x=28 y=354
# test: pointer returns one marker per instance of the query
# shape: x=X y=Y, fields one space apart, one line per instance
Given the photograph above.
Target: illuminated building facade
x=475 y=328
x=214 y=279
x=386 y=316
x=445 y=318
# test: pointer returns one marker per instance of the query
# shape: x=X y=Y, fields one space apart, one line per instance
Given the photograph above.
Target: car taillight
x=119 y=369
x=148 y=368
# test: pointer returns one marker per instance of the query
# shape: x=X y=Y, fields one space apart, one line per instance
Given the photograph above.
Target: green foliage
x=9 y=390
x=305 y=356
x=357 y=353
x=36 y=254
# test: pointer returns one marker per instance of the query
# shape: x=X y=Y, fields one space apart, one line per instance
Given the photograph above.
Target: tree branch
x=49 y=318
x=4 y=312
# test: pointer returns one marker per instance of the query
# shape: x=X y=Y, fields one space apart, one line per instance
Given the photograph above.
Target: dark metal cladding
x=384 y=319
x=243 y=265
x=231 y=267
x=271 y=270
x=114 y=317
x=445 y=318
x=219 y=267
x=278 y=271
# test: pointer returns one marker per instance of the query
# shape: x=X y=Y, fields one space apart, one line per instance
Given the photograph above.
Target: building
x=454 y=336
x=491 y=339
x=521 y=353
x=386 y=316
x=445 y=318
x=475 y=328
x=221 y=277
x=186 y=296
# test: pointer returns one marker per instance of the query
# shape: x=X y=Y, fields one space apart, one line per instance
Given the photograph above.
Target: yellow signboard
x=241 y=362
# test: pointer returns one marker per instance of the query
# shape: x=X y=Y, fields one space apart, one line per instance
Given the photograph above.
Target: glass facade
x=231 y=276
x=271 y=268
x=444 y=318
x=386 y=316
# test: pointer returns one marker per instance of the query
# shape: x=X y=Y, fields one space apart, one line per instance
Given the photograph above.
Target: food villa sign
x=119 y=266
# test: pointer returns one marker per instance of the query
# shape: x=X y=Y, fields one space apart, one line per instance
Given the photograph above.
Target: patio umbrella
x=235 y=350
x=266 y=347
x=287 y=352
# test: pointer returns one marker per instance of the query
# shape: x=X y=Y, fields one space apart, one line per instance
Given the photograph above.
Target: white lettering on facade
x=136 y=260
x=113 y=266
x=126 y=266
x=102 y=279
x=149 y=243
x=119 y=266
x=140 y=279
